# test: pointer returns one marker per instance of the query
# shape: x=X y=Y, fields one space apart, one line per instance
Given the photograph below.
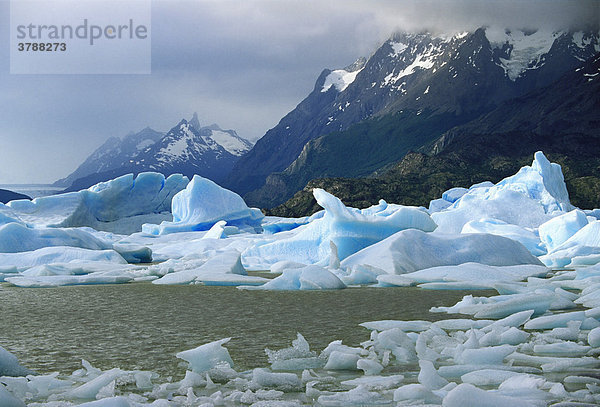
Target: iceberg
x=527 y=199
x=15 y=237
x=120 y=205
x=413 y=250
x=202 y=204
x=349 y=229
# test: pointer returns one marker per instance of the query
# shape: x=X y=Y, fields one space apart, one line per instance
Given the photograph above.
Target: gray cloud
x=240 y=63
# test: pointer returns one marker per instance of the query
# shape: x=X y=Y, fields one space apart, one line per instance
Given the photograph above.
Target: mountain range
x=422 y=114
x=188 y=148
x=562 y=119
x=361 y=120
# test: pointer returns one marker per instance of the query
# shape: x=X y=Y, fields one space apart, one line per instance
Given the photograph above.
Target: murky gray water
x=142 y=326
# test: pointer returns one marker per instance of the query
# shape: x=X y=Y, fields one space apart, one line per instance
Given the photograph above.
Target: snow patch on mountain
x=398 y=48
x=525 y=50
x=234 y=145
x=177 y=148
x=339 y=78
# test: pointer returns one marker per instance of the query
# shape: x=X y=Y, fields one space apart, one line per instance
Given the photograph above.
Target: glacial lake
x=142 y=326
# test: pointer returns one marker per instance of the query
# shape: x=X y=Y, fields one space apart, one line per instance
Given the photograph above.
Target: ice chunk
x=282 y=381
x=407 y=326
x=9 y=365
x=118 y=401
x=297 y=357
x=412 y=250
x=375 y=382
x=483 y=274
x=202 y=204
x=491 y=355
x=348 y=228
x=8 y=215
x=561 y=349
x=15 y=238
x=467 y=395
x=558 y=230
x=216 y=231
x=207 y=356
x=100 y=277
x=304 y=278
x=359 y=396
x=487 y=377
x=59 y=254
x=594 y=337
x=416 y=393
x=527 y=199
x=585 y=242
x=90 y=389
x=342 y=361
x=274 y=224
x=369 y=366
x=453 y=194
x=224 y=268
x=555 y=320
x=8 y=400
x=497 y=227
x=429 y=377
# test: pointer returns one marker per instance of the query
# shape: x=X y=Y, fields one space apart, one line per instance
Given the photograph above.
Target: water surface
x=142 y=326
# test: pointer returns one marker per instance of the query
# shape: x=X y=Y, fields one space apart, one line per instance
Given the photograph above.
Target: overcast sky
x=240 y=63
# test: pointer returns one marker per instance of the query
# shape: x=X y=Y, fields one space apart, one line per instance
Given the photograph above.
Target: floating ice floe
x=202 y=204
x=120 y=205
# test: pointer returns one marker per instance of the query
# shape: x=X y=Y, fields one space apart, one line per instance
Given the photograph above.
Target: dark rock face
x=415 y=87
